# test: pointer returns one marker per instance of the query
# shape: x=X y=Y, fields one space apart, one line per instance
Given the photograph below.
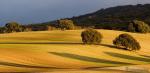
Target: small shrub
x=91 y=36
x=127 y=41
x=138 y=26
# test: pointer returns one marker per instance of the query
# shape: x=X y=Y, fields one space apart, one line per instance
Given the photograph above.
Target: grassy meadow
x=52 y=50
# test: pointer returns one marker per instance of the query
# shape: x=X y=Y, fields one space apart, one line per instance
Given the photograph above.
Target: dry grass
x=50 y=50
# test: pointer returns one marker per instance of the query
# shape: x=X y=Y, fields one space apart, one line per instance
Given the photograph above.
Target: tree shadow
x=112 y=46
x=41 y=43
x=27 y=71
x=25 y=66
x=89 y=59
x=145 y=56
x=63 y=43
x=128 y=57
x=20 y=72
x=28 y=66
x=17 y=72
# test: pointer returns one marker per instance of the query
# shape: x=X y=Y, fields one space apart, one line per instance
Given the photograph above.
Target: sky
x=37 y=11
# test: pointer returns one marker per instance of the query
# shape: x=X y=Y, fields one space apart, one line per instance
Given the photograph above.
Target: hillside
x=115 y=17
x=50 y=51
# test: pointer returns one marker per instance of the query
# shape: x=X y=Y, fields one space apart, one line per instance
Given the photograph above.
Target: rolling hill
x=45 y=51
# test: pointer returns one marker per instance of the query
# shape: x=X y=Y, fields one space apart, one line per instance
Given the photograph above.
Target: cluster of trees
x=134 y=26
x=63 y=24
x=12 y=27
x=138 y=26
x=125 y=41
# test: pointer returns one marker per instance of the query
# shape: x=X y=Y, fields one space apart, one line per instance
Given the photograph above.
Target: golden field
x=45 y=51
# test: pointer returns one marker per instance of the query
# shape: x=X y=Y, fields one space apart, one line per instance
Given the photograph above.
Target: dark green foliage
x=2 y=29
x=91 y=36
x=111 y=26
x=138 y=26
x=127 y=41
x=66 y=24
x=24 y=29
x=115 y=15
x=13 y=27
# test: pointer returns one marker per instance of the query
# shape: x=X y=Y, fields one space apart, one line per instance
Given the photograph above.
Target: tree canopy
x=91 y=36
x=66 y=24
x=126 y=41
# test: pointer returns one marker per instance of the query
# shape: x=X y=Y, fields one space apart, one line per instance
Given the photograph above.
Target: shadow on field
x=25 y=66
x=78 y=43
x=145 y=56
x=112 y=46
x=71 y=43
x=21 y=72
x=41 y=43
x=89 y=59
x=128 y=57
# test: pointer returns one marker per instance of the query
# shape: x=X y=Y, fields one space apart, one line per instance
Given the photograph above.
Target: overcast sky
x=35 y=11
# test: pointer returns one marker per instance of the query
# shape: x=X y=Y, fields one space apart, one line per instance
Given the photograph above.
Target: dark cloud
x=34 y=11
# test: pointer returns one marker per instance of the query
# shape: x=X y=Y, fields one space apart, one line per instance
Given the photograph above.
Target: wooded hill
x=111 y=18
x=117 y=17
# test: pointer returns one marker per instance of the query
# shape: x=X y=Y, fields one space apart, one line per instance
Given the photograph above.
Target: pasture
x=44 y=51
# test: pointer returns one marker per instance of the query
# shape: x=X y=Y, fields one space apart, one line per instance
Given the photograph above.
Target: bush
x=127 y=41
x=2 y=30
x=13 y=27
x=138 y=26
x=91 y=36
x=66 y=24
x=131 y=28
